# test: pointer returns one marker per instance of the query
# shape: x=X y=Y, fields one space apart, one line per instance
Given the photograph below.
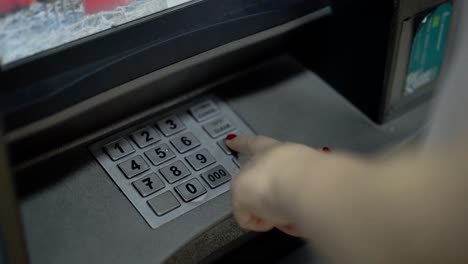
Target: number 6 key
x=185 y=142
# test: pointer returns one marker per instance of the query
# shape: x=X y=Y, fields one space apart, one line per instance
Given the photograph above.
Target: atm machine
x=114 y=114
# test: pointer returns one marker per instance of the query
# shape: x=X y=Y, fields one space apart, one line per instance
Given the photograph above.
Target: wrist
x=290 y=183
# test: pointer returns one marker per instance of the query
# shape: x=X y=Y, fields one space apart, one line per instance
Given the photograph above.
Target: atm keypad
x=174 y=161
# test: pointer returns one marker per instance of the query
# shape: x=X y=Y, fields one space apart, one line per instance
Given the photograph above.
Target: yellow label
x=436 y=21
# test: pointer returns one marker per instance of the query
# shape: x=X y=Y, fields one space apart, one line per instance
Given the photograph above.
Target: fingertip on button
x=231 y=136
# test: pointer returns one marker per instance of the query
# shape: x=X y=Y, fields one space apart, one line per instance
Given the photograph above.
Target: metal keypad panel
x=175 y=161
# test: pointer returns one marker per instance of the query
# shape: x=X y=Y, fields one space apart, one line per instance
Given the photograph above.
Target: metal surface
x=12 y=243
x=449 y=124
x=191 y=144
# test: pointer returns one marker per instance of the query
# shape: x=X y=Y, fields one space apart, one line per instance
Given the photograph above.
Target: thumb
x=250 y=145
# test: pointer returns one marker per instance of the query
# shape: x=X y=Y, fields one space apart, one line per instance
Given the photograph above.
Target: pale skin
x=408 y=207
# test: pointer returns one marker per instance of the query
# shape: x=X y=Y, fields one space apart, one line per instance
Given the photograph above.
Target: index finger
x=251 y=145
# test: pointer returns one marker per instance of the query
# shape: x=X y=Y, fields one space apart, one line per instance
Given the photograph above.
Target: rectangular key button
x=216 y=176
x=190 y=190
x=145 y=137
x=149 y=184
x=222 y=145
x=164 y=203
x=170 y=125
x=200 y=159
x=185 y=142
x=234 y=160
x=204 y=111
x=133 y=167
x=118 y=149
x=218 y=127
x=175 y=172
x=160 y=154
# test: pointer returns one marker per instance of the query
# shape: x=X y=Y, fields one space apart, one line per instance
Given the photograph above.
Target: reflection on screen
x=28 y=27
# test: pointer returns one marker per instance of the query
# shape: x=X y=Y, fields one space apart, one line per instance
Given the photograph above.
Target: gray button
x=164 y=203
x=241 y=160
x=204 y=111
x=185 y=142
x=190 y=190
x=200 y=159
x=218 y=127
x=133 y=167
x=222 y=145
x=170 y=125
x=234 y=160
x=145 y=137
x=160 y=154
x=149 y=184
x=118 y=149
x=216 y=176
x=175 y=172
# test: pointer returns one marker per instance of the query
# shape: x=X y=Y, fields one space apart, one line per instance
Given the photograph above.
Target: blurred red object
x=10 y=5
x=95 y=6
x=24 y=3
x=7 y=5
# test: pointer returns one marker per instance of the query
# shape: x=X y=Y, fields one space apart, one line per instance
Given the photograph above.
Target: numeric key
x=200 y=159
x=185 y=142
x=145 y=137
x=170 y=125
x=149 y=184
x=160 y=154
x=190 y=190
x=175 y=172
x=118 y=149
x=133 y=167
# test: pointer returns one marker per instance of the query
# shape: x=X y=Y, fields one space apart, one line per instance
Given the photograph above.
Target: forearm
x=343 y=201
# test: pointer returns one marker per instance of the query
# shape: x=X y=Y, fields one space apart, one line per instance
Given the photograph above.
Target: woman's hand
x=391 y=210
x=256 y=196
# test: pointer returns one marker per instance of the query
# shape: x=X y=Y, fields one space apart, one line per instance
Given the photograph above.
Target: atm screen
x=28 y=27
x=57 y=53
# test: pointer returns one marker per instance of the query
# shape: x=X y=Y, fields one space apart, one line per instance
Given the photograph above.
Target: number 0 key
x=190 y=190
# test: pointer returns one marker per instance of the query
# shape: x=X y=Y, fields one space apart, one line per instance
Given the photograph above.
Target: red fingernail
x=326 y=149
x=231 y=136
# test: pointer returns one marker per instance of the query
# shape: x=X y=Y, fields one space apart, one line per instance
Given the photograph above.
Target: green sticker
x=428 y=48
